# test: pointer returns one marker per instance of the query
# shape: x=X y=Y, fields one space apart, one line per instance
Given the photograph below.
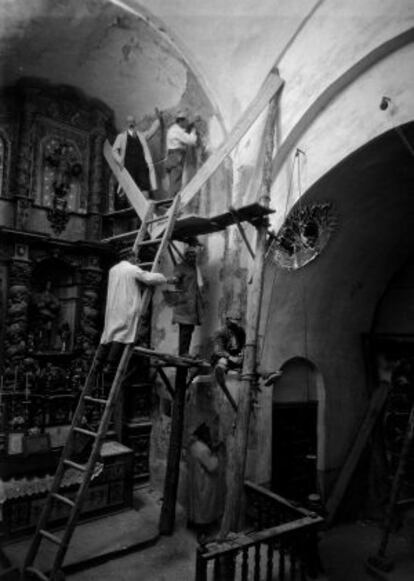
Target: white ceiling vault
x=100 y=48
x=133 y=55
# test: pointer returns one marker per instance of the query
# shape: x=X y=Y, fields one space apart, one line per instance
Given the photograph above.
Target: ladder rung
x=119 y=213
x=149 y=242
x=95 y=399
x=153 y=220
x=63 y=499
x=80 y=467
x=37 y=573
x=163 y=202
x=120 y=236
x=50 y=537
x=85 y=432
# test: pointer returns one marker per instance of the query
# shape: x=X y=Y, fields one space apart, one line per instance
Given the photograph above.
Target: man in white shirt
x=123 y=308
x=179 y=136
x=131 y=152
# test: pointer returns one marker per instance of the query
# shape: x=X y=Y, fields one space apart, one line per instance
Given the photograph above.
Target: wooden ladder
x=106 y=405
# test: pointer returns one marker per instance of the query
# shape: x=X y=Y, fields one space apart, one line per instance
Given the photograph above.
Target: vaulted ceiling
x=134 y=55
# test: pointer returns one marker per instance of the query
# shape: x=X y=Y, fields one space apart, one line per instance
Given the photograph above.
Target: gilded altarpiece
x=53 y=184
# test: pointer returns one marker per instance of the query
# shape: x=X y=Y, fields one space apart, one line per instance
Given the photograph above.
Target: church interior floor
x=344 y=549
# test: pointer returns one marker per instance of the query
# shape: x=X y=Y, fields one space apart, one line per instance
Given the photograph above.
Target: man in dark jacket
x=187 y=311
x=228 y=348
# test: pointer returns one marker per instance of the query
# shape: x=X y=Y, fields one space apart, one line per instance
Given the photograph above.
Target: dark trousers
x=175 y=167
x=109 y=355
x=185 y=332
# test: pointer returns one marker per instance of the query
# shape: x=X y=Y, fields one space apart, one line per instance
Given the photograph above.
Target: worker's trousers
x=175 y=167
x=185 y=333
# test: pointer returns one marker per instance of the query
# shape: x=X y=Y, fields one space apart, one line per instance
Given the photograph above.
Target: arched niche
x=62 y=174
x=298 y=430
x=53 y=306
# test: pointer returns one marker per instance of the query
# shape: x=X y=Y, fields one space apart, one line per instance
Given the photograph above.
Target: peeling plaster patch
x=126 y=51
x=130 y=48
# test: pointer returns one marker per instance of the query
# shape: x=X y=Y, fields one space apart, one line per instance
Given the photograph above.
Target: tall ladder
x=106 y=406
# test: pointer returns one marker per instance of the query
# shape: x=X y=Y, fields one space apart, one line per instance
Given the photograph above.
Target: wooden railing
x=280 y=543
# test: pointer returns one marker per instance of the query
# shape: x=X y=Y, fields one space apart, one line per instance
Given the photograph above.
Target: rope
x=290 y=186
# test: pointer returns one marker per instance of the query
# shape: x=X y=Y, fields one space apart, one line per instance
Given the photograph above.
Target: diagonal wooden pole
x=237 y=443
x=167 y=516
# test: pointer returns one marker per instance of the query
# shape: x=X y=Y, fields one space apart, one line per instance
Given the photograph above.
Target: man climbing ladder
x=91 y=396
x=123 y=307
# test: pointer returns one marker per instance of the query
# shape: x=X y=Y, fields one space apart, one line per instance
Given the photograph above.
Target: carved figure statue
x=64 y=334
x=47 y=308
x=16 y=321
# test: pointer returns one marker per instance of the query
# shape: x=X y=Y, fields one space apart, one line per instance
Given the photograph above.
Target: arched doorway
x=298 y=430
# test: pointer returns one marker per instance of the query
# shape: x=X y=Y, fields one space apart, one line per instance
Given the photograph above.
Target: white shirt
x=178 y=138
x=123 y=304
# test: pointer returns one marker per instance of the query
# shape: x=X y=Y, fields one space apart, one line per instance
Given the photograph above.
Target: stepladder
x=97 y=400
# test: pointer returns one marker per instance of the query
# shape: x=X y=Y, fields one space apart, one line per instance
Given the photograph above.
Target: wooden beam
x=237 y=442
x=166 y=381
x=174 y=360
x=177 y=250
x=375 y=408
x=172 y=474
